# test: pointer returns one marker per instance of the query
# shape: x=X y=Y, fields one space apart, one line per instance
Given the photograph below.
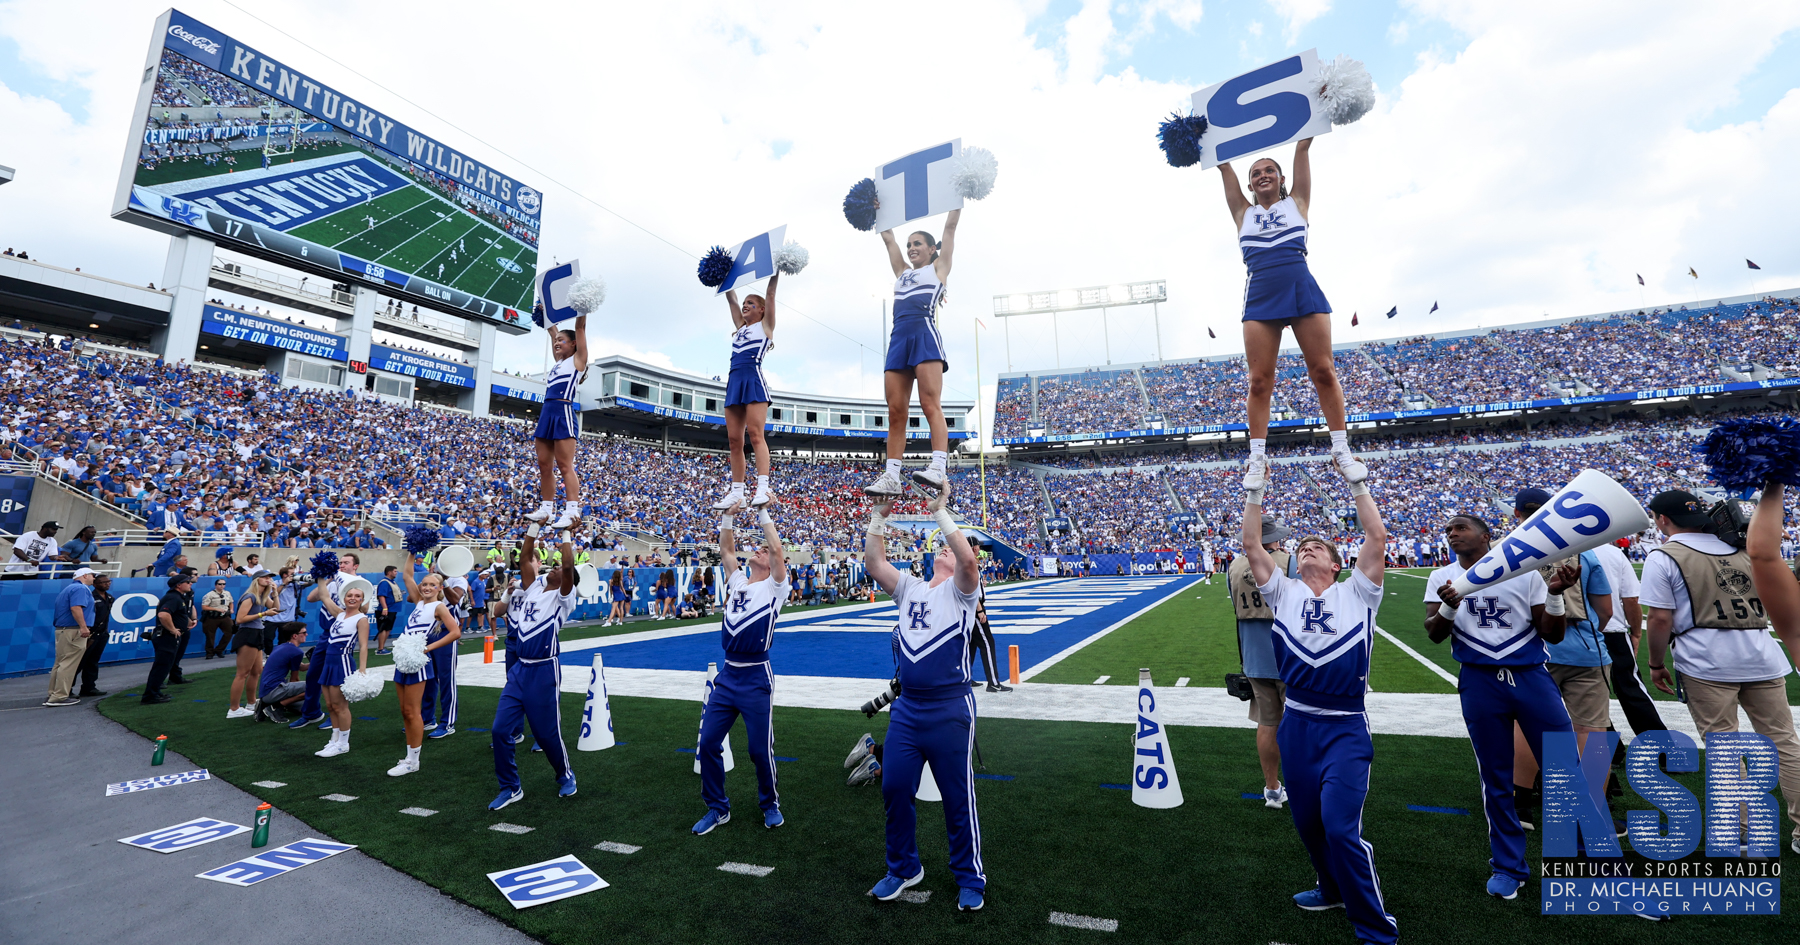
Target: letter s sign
x=1261 y=109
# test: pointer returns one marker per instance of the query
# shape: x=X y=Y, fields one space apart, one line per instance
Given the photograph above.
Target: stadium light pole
x=1102 y=297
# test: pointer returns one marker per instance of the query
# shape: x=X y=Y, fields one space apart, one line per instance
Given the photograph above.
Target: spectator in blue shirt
x=73 y=617
x=279 y=685
x=83 y=549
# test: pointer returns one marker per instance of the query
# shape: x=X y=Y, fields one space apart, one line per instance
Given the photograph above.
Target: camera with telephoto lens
x=880 y=702
x=1238 y=684
x=1730 y=522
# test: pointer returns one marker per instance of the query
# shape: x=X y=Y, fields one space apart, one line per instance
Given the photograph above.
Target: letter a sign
x=1261 y=109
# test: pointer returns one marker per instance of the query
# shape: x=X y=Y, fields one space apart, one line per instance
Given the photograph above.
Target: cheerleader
x=916 y=353
x=1278 y=293
x=559 y=425
x=620 y=600
x=747 y=392
x=534 y=676
x=349 y=624
x=433 y=620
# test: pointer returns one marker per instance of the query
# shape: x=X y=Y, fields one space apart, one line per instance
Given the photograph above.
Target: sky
x=1524 y=160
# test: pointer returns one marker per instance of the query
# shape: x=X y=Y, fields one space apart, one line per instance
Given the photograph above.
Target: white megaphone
x=712 y=671
x=1585 y=514
x=596 y=717
x=1153 y=779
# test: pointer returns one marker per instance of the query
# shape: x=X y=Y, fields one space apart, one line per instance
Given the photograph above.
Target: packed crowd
x=1115 y=508
x=1095 y=400
x=1467 y=370
x=1194 y=393
x=180 y=80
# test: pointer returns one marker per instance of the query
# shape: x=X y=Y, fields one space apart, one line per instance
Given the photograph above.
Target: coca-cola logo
x=198 y=42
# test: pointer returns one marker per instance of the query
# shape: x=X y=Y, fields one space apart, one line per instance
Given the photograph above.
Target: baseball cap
x=180 y=579
x=52 y=524
x=1684 y=508
x=1274 y=530
x=1535 y=498
x=81 y=573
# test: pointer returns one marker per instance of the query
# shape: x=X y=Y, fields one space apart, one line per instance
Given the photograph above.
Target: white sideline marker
x=340 y=798
x=269 y=784
x=1182 y=681
x=511 y=828
x=418 y=811
x=1084 y=922
x=1101 y=681
x=917 y=896
x=746 y=869
x=611 y=847
x=1415 y=654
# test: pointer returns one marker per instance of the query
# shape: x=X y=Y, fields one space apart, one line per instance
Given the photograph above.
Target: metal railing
x=114 y=537
x=55 y=569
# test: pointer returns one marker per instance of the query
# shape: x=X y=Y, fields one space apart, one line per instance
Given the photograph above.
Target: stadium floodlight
x=1102 y=297
x=6 y=174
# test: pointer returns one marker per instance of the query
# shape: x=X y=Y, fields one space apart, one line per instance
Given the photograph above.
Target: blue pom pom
x=324 y=565
x=714 y=267
x=859 y=205
x=420 y=539
x=1180 y=139
x=1748 y=452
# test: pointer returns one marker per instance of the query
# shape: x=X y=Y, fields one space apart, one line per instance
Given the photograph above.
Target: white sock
x=939 y=459
x=547 y=505
x=737 y=485
x=1258 y=447
x=1340 y=441
x=893 y=466
x=343 y=737
x=412 y=755
x=762 y=483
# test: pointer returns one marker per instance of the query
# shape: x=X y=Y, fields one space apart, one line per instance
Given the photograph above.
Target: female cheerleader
x=619 y=600
x=432 y=620
x=258 y=603
x=349 y=624
x=1278 y=293
x=916 y=352
x=747 y=394
x=559 y=425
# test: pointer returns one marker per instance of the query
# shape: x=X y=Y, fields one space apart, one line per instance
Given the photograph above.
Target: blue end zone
x=1044 y=617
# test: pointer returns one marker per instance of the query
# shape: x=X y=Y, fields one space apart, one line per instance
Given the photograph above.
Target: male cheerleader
x=933 y=719
x=315 y=666
x=438 y=705
x=746 y=683
x=1323 y=633
x=538 y=612
x=1498 y=634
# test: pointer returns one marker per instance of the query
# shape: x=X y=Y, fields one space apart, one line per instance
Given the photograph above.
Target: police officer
x=175 y=619
x=1698 y=592
x=1256 y=654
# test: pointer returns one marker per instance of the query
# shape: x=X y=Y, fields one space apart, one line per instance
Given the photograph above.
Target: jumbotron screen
x=256 y=154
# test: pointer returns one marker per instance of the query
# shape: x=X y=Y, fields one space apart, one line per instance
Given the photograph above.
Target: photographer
x=1256 y=656
x=1700 y=593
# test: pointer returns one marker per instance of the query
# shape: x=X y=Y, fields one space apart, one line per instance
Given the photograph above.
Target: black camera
x=880 y=702
x=1730 y=522
x=1238 y=684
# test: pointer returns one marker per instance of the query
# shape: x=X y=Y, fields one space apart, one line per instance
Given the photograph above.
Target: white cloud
x=1298 y=13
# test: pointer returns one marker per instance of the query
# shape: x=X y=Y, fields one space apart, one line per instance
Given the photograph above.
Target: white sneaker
x=733 y=496
x=570 y=517
x=1256 y=471
x=1274 y=800
x=1353 y=469
x=763 y=497
x=403 y=767
x=241 y=712
x=886 y=484
x=334 y=749
x=543 y=513
x=930 y=477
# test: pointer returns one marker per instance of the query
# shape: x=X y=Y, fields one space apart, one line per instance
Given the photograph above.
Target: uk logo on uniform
x=1489 y=611
x=1316 y=618
x=920 y=614
x=740 y=603
x=1270 y=219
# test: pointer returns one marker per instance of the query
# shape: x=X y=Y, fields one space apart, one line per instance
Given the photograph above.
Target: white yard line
x=1415 y=654
x=1071 y=651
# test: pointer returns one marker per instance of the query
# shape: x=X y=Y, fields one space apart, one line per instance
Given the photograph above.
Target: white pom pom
x=791 y=258
x=974 y=172
x=1345 y=89
x=409 y=652
x=587 y=294
x=361 y=686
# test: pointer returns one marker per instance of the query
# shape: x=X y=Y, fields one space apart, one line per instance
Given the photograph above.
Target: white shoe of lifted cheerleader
x=543 y=513
x=733 y=496
x=930 y=477
x=1256 y=471
x=763 y=497
x=886 y=484
x=1352 y=468
x=571 y=516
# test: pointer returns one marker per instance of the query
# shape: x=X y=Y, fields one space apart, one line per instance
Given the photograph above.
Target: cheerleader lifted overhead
x=559 y=423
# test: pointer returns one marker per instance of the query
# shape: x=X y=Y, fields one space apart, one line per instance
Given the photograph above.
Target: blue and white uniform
x=746 y=384
x=932 y=721
x=1322 y=648
x=1502 y=681
x=915 y=339
x=534 y=681
x=315 y=665
x=745 y=686
x=441 y=694
x=340 y=647
x=1279 y=286
x=421 y=622
x=561 y=418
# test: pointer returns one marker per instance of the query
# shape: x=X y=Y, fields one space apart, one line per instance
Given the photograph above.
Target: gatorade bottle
x=162 y=743
x=261 y=837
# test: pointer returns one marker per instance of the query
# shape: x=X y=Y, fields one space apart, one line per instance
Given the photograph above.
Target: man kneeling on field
x=283 y=680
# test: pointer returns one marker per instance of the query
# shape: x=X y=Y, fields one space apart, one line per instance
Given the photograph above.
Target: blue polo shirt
x=76 y=596
x=1582 y=645
x=286 y=659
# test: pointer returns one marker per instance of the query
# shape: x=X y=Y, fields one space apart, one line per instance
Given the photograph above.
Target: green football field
x=1059 y=834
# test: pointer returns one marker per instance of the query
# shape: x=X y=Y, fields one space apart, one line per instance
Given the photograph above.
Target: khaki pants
x=1714 y=707
x=71 y=646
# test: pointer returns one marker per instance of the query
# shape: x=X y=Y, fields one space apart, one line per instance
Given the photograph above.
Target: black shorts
x=246 y=636
x=385 y=622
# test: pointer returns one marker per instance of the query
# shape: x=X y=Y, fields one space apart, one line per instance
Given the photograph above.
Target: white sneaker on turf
x=865 y=746
x=543 y=513
x=886 y=484
x=334 y=749
x=930 y=477
x=1256 y=471
x=733 y=496
x=1352 y=468
x=1274 y=799
x=241 y=712
x=763 y=497
x=570 y=517
x=402 y=767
